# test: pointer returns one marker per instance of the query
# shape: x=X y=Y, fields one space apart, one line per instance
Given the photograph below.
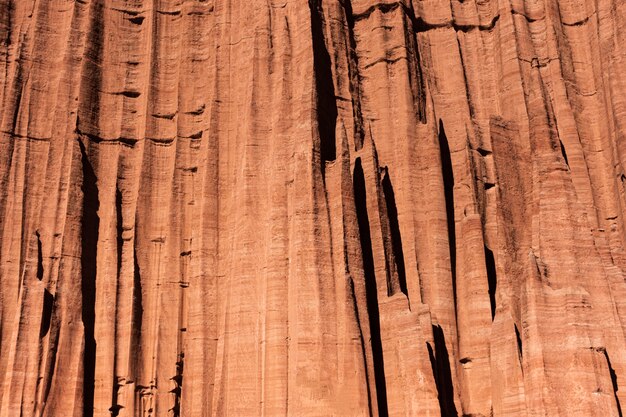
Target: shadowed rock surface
x=312 y=208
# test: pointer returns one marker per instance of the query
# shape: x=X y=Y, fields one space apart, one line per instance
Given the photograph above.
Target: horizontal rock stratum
x=351 y=208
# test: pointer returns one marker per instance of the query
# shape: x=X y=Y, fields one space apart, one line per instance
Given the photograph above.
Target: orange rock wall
x=322 y=208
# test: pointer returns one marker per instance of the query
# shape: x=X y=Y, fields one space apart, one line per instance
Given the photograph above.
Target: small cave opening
x=137 y=20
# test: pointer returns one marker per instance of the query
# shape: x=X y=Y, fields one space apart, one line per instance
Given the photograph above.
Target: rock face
x=324 y=208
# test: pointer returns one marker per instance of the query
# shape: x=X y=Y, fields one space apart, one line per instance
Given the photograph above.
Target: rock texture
x=324 y=208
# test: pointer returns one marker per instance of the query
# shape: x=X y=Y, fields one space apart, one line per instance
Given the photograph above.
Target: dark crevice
x=120 y=228
x=198 y=111
x=440 y=363
x=90 y=84
x=492 y=279
x=89 y=240
x=614 y=381
x=129 y=93
x=326 y=104
x=19 y=90
x=470 y=101
x=46 y=313
x=166 y=116
x=170 y=12
x=360 y=199
x=564 y=153
x=416 y=80
x=578 y=22
x=519 y=343
x=115 y=407
x=39 y=257
x=53 y=342
x=137 y=309
x=197 y=135
x=357 y=316
x=394 y=230
x=178 y=381
x=131 y=142
x=448 y=188
x=355 y=78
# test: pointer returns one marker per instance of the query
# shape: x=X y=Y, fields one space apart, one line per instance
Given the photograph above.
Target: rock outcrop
x=363 y=208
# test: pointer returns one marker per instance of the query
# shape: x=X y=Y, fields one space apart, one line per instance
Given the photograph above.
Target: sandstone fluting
x=271 y=208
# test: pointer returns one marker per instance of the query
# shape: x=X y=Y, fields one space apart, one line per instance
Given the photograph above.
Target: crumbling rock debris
x=363 y=208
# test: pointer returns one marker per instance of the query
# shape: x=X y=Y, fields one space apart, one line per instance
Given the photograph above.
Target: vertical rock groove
x=370 y=287
x=355 y=78
x=613 y=383
x=564 y=154
x=39 y=257
x=440 y=361
x=325 y=105
x=490 y=263
x=89 y=241
x=396 y=238
x=46 y=314
x=448 y=188
x=356 y=208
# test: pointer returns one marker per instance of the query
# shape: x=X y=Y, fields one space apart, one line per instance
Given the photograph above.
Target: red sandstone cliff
x=322 y=208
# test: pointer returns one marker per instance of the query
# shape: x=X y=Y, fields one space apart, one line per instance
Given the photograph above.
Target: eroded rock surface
x=324 y=208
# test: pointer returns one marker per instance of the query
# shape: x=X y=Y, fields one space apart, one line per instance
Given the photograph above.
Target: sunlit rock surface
x=323 y=208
